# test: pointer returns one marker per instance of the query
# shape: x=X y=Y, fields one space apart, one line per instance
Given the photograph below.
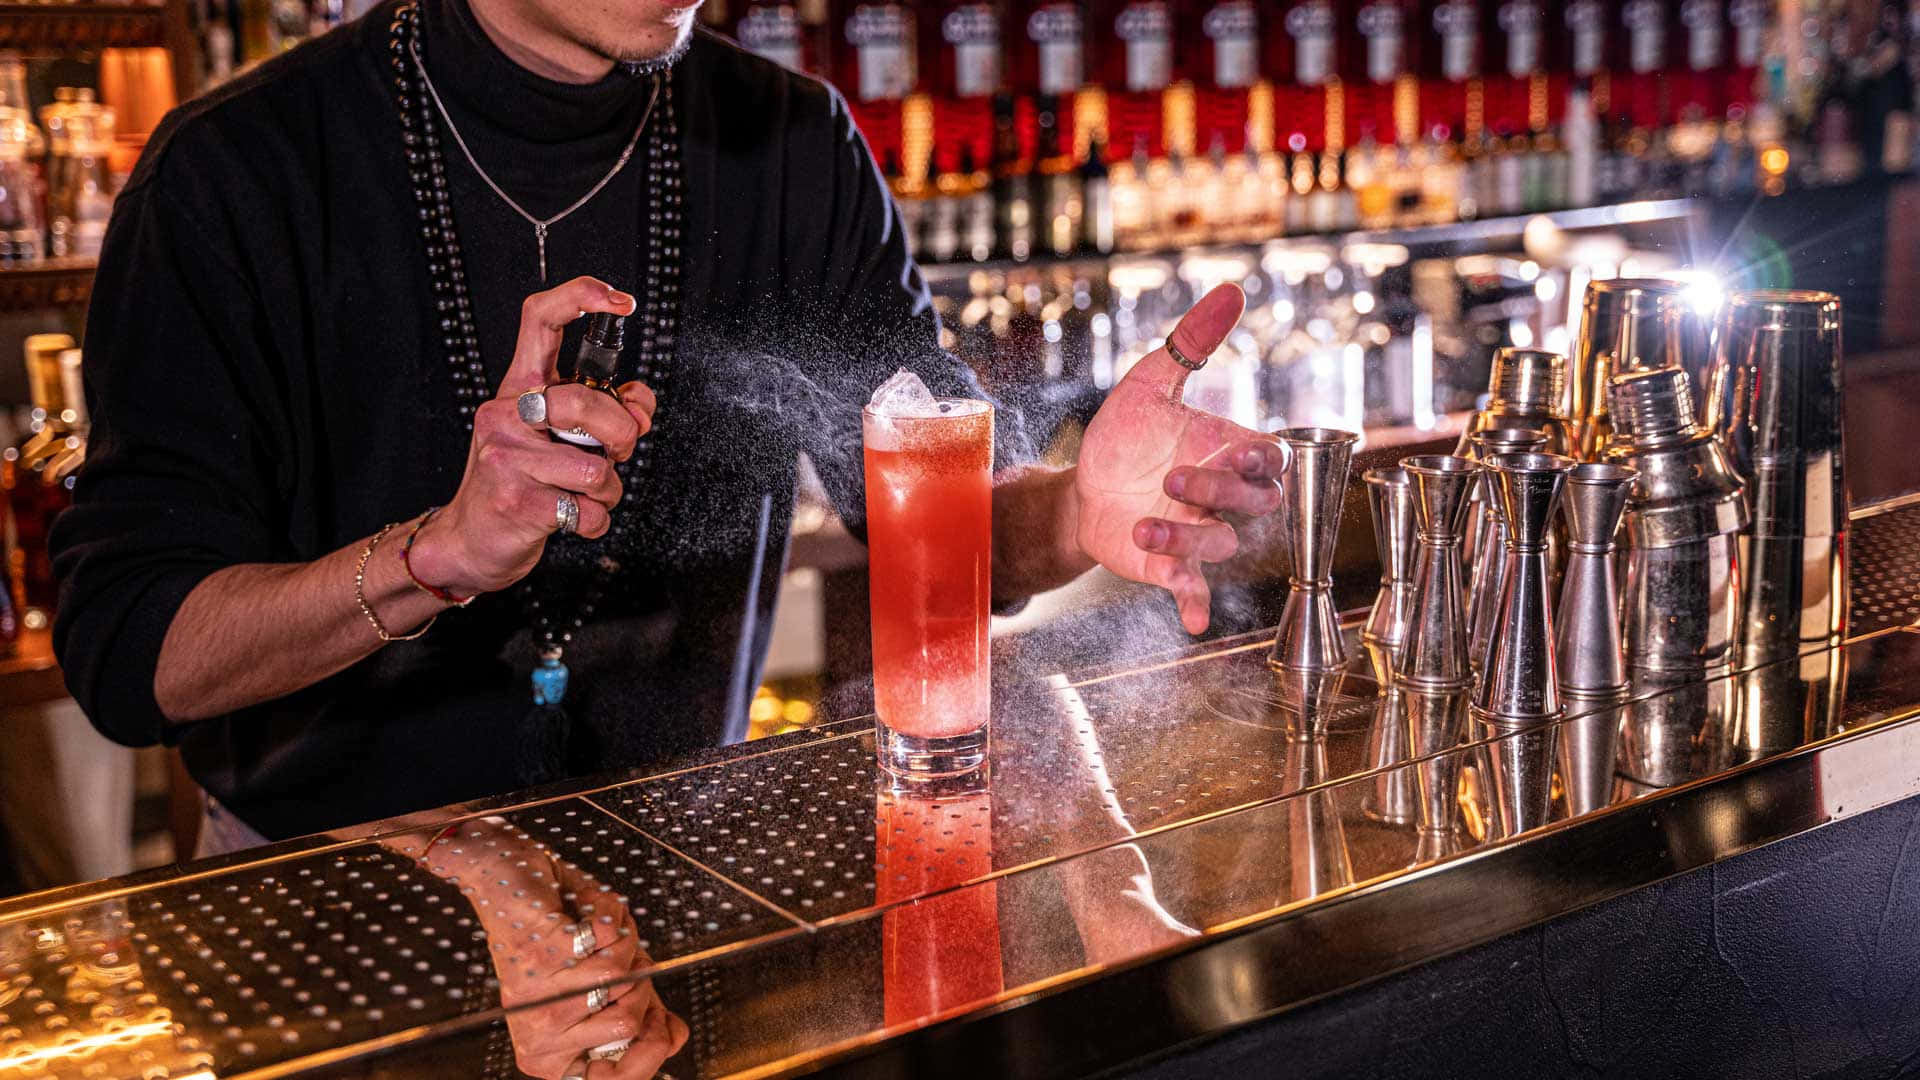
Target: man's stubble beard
x=649 y=64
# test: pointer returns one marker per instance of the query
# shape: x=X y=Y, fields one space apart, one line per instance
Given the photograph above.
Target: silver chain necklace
x=540 y=226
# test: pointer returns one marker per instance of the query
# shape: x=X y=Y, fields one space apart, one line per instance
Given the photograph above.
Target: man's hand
x=1155 y=474
x=493 y=531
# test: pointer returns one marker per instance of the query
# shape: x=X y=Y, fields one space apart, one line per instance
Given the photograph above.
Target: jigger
x=1521 y=683
x=1436 y=724
x=1587 y=634
x=1390 y=498
x=1309 y=637
x=1487 y=558
x=1435 y=655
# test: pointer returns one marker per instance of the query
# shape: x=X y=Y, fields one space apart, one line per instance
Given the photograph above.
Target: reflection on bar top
x=791 y=907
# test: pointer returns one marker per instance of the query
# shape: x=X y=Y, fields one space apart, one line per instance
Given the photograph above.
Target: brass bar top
x=1162 y=852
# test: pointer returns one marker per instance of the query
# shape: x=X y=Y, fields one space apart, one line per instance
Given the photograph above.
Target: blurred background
x=1401 y=186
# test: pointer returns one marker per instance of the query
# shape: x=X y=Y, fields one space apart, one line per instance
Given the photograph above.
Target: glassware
x=929 y=536
x=37 y=475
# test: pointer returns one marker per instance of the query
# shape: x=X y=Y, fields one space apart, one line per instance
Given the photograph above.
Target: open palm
x=1155 y=474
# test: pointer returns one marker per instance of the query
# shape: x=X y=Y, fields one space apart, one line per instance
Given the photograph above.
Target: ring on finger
x=610 y=1052
x=583 y=941
x=576 y=1069
x=597 y=999
x=566 y=512
x=1180 y=358
x=532 y=407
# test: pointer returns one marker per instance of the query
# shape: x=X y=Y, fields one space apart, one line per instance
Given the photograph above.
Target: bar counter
x=1166 y=856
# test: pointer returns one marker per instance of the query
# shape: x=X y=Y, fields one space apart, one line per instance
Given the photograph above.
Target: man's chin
x=652 y=61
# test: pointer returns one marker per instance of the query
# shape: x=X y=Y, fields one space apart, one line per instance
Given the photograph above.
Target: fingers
x=615 y=423
x=1200 y=331
x=543 y=317
x=1249 y=484
x=640 y=399
x=1206 y=542
x=1189 y=588
x=567 y=468
x=662 y=1037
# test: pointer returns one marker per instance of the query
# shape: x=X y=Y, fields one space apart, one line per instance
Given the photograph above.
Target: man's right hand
x=493 y=531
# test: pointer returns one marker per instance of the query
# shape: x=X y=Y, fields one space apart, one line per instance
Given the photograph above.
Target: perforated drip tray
x=1885 y=571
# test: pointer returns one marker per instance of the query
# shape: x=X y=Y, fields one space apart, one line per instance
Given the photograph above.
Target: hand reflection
x=559 y=939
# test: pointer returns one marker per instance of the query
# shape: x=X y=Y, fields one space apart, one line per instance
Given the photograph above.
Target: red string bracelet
x=406 y=560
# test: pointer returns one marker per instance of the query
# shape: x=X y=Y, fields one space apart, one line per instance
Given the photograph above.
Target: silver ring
x=566 y=513
x=583 y=941
x=532 y=407
x=597 y=999
x=610 y=1052
x=1181 y=358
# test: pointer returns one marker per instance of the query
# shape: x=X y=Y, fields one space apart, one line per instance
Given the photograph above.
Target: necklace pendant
x=550 y=679
x=540 y=241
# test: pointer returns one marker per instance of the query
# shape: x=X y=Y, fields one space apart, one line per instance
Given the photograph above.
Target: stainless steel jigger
x=1435 y=655
x=1627 y=324
x=1527 y=388
x=1587 y=633
x=1487 y=557
x=1309 y=637
x=1785 y=436
x=1436 y=723
x=1390 y=498
x=1683 y=579
x=1521 y=684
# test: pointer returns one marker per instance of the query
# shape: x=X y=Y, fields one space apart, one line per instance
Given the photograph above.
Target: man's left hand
x=1155 y=474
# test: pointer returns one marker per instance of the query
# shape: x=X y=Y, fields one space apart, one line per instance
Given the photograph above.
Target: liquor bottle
x=80 y=195
x=773 y=29
x=1372 y=194
x=876 y=65
x=944 y=204
x=1700 y=79
x=960 y=70
x=1748 y=20
x=37 y=475
x=1223 y=44
x=1301 y=55
x=1582 y=137
x=1133 y=46
x=1012 y=187
x=1583 y=51
x=21 y=236
x=1642 y=58
x=1450 y=57
x=976 y=209
x=1133 y=212
x=1300 y=185
x=1061 y=198
x=1516 y=57
x=1379 y=51
x=1096 y=193
x=1048 y=51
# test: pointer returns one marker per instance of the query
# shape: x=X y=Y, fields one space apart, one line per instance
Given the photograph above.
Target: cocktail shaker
x=1521 y=680
x=1527 y=388
x=1487 y=554
x=1390 y=498
x=1435 y=655
x=1780 y=354
x=1687 y=504
x=1309 y=634
x=1629 y=324
x=1587 y=630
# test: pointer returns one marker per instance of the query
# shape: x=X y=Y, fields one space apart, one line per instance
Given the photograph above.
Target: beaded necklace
x=654 y=324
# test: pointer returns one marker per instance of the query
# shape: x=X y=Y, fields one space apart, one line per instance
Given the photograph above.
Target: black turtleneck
x=267 y=385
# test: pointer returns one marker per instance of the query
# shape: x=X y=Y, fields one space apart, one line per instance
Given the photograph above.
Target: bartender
x=324 y=542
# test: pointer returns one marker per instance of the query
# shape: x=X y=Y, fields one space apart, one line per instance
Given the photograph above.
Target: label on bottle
x=1458 y=25
x=1749 y=18
x=1148 y=33
x=1646 y=23
x=1706 y=39
x=1384 y=27
x=1311 y=28
x=882 y=40
x=974 y=32
x=1521 y=22
x=1587 y=22
x=1054 y=30
x=772 y=32
x=1235 y=32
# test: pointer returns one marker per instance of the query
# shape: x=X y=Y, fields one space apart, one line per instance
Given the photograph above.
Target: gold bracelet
x=360 y=592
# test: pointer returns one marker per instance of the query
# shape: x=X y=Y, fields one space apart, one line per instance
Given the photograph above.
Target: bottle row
x=36 y=478
x=56 y=176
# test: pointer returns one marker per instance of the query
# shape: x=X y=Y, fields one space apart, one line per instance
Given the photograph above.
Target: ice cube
x=904 y=394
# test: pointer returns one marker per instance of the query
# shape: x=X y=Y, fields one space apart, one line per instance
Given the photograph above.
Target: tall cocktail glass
x=929 y=549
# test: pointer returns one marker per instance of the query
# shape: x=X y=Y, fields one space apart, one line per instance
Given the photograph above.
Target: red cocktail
x=929 y=543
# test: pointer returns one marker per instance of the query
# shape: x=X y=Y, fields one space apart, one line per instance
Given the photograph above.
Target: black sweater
x=266 y=385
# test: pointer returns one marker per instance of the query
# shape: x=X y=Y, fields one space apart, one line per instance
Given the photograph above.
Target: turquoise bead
x=549 y=682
